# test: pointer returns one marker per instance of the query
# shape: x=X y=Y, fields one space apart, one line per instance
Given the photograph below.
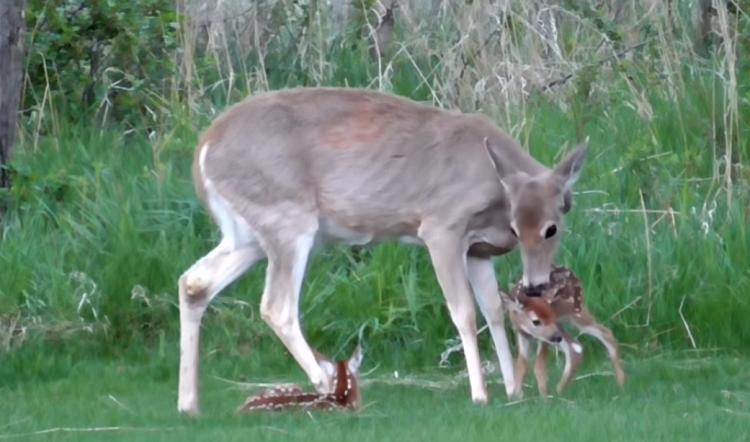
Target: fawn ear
x=510 y=302
x=355 y=360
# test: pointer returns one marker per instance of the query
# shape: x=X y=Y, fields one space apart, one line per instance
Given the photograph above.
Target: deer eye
x=550 y=232
x=536 y=322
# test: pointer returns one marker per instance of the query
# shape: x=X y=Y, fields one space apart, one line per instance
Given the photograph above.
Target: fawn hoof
x=620 y=376
x=516 y=391
x=516 y=395
x=561 y=387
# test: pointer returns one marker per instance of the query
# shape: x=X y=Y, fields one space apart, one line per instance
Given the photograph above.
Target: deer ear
x=566 y=173
x=494 y=160
x=496 y=164
x=355 y=360
x=569 y=169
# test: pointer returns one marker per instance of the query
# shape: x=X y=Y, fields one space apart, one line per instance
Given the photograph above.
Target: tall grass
x=102 y=218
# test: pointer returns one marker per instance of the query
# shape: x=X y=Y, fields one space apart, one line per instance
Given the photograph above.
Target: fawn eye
x=513 y=232
x=536 y=322
x=550 y=232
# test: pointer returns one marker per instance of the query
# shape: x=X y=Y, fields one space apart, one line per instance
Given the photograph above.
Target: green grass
x=675 y=396
x=113 y=219
x=102 y=220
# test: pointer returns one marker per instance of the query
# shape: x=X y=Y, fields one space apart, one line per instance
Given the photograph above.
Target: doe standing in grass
x=284 y=171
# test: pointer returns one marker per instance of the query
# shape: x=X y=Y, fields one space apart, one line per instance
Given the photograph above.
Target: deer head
x=537 y=206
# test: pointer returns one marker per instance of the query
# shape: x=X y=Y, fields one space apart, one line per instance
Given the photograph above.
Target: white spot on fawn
x=577 y=347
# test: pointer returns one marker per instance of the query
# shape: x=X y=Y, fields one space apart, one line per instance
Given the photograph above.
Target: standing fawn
x=539 y=318
x=285 y=171
x=346 y=394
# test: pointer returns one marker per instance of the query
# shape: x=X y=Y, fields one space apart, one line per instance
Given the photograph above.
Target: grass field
x=669 y=396
x=102 y=219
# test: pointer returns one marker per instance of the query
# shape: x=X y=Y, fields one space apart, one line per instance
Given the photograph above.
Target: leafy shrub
x=104 y=57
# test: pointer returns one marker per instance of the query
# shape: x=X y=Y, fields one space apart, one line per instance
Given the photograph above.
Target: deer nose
x=535 y=290
x=556 y=339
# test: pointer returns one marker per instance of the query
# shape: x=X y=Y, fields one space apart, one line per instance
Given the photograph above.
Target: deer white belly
x=331 y=231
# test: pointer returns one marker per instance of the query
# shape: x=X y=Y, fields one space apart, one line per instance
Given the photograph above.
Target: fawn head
x=537 y=206
x=535 y=317
x=345 y=376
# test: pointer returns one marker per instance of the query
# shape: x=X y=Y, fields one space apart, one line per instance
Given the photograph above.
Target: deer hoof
x=480 y=398
x=188 y=410
x=323 y=385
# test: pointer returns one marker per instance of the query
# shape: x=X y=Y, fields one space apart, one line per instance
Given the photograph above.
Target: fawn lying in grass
x=346 y=395
x=539 y=318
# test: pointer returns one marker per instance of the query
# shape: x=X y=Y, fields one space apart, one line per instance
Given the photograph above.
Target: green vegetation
x=671 y=396
x=102 y=218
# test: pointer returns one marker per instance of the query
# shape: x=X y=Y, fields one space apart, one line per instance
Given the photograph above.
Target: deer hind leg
x=287 y=262
x=590 y=326
x=448 y=257
x=484 y=284
x=197 y=287
x=573 y=355
x=540 y=369
x=522 y=364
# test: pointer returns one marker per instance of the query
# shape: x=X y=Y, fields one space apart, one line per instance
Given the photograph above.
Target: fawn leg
x=586 y=322
x=522 y=363
x=540 y=368
x=573 y=354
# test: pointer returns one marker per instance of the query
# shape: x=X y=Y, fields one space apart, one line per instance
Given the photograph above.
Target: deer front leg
x=287 y=262
x=197 y=287
x=484 y=283
x=586 y=322
x=448 y=256
x=573 y=354
x=522 y=364
x=540 y=369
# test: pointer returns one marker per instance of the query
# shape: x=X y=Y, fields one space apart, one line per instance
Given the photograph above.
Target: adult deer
x=283 y=171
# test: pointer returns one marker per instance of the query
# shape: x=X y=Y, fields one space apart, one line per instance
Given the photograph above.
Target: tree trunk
x=11 y=70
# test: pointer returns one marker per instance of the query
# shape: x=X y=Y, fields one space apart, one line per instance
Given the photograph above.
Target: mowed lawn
x=680 y=396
